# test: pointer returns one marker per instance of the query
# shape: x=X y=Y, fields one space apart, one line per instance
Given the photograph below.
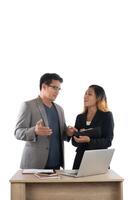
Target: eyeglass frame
x=55 y=87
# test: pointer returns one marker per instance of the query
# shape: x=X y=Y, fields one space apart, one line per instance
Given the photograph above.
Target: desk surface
x=111 y=176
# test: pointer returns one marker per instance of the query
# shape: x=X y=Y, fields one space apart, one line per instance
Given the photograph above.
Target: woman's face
x=90 y=98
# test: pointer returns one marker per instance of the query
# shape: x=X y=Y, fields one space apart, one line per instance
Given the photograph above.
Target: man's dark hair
x=48 y=77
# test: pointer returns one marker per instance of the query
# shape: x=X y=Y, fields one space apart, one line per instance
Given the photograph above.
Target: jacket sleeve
x=77 y=122
x=63 y=126
x=23 y=130
x=105 y=140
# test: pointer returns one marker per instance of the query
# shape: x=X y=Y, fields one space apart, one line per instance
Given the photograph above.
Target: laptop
x=94 y=162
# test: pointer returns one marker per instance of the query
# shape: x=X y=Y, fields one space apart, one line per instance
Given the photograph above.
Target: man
x=42 y=125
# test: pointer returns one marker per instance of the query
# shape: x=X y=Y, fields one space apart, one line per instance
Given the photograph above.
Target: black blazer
x=103 y=120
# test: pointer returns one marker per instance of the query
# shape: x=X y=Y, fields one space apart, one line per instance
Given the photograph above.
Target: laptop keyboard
x=70 y=172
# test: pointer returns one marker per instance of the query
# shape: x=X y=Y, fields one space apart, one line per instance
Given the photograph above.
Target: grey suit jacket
x=35 y=153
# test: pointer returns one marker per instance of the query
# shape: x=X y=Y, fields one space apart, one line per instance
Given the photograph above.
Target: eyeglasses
x=55 y=87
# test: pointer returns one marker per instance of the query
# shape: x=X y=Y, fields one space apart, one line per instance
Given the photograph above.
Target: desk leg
x=18 y=191
x=121 y=190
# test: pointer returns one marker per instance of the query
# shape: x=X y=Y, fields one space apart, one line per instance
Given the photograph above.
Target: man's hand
x=82 y=139
x=71 y=130
x=42 y=130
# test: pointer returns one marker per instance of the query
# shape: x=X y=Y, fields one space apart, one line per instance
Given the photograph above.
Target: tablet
x=91 y=132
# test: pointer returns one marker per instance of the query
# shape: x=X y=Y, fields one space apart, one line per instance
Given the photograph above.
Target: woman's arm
x=78 y=124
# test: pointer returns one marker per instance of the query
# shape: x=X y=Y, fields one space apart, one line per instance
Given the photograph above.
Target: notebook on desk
x=94 y=162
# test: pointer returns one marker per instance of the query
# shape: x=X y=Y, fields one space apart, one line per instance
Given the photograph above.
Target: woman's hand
x=82 y=139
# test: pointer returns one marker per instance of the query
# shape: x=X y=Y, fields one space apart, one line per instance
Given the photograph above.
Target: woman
x=98 y=119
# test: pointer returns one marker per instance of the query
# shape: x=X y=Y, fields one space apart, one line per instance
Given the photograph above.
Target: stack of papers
x=47 y=175
x=42 y=173
x=34 y=171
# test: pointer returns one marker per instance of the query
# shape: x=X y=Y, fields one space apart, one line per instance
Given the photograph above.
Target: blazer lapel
x=42 y=111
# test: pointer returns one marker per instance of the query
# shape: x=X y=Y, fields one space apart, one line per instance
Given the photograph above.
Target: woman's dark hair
x=101 y=98
x=48 y=77
x=99 y=92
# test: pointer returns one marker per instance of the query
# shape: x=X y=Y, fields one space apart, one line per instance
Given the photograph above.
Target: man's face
x=51 y=91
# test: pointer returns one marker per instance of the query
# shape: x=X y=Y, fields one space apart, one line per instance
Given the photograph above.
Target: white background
x=86 y=42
